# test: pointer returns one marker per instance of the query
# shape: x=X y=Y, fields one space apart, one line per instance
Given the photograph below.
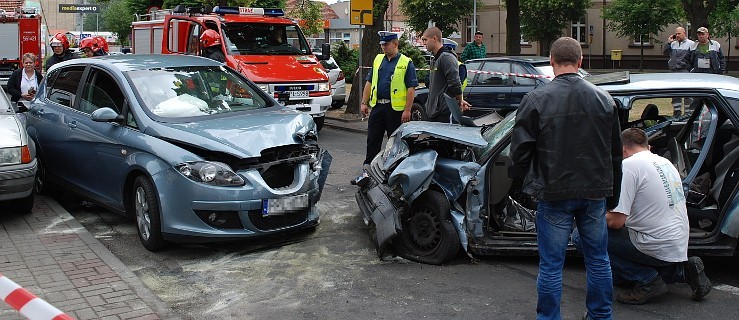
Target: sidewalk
x=51 y=255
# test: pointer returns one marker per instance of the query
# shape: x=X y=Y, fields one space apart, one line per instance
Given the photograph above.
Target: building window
x=642 y=40
x=347 y=37
x=470 y=36
x=577 y=30
x=524 y=41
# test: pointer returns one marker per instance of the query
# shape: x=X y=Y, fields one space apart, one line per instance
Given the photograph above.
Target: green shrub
x=347 y=59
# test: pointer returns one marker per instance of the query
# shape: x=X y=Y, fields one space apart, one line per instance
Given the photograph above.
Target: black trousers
x=441 y=117
x=382 y=120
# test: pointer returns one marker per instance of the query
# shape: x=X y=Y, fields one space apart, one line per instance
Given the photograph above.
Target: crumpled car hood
x=243 y=136
x=470 y=136
x=9 y=132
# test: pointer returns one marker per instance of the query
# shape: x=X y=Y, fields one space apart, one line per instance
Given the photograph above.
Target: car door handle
x=72 y=124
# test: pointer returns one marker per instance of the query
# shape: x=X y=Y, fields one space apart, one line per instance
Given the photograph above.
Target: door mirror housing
x=106 y=114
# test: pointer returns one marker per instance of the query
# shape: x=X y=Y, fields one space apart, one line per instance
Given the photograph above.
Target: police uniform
x=388 y=95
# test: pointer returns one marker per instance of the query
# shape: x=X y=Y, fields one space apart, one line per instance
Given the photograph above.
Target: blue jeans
x=554 y=222
x=631 y=265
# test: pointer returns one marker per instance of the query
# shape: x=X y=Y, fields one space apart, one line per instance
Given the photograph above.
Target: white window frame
x=579 y=28
x=637 y=40
x=470 y=36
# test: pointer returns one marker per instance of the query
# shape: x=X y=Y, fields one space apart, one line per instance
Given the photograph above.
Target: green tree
x=723 y=22
x=137 y=6
x=169 y=4
x=118 y=20
x=347 y=59
x=640 y=18
x=95 y=21
x=444 y=13
x=310 y=12
x=544 y=20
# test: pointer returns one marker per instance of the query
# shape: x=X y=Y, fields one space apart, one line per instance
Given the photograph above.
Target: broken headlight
x=396 y=150
x=211 y=173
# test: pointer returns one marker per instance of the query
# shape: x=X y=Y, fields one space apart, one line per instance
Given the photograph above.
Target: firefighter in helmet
x=102 y=46
x=210 y=41
x=88 y=46
x=60 y=45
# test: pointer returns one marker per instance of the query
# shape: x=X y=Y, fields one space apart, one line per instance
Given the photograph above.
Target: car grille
x=292 y=102
x=277 y=221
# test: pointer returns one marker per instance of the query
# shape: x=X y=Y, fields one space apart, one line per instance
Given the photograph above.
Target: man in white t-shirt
x=648 y=230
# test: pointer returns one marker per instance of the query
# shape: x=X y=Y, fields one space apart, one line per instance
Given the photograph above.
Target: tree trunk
x=513 y=25
x=370 y=47
x=697 y=11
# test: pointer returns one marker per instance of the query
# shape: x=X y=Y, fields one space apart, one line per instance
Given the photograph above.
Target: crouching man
x=648 y=230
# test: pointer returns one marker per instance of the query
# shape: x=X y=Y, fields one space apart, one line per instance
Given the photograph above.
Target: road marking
x=727 y=288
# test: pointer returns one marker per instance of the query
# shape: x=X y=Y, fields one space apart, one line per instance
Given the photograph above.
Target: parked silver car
x=337 y=81
x=17 y=159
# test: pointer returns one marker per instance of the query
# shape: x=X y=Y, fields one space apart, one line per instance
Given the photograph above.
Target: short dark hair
x=478 y=32
x=633 y=137
x=566 y=51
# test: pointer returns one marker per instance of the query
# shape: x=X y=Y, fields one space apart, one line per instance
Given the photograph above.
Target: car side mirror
x=106 y=114
x=325 y=52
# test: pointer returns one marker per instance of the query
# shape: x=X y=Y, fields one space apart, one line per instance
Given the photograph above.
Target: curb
x=338 y=124
x=139 y=288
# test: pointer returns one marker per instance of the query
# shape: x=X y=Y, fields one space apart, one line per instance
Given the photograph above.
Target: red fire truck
x=260 y=43
x=20 y=32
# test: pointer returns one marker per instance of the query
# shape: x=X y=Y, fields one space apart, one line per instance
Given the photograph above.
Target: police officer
x=452 y=45
x=210 y=40
x=388 y=92
x=60 y=45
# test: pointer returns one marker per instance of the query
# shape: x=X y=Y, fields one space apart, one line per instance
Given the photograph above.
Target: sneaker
x=696 y=278
x=641 y=293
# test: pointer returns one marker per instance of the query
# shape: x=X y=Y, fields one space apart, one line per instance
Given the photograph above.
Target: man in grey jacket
x=678 y=48
x=443 y=78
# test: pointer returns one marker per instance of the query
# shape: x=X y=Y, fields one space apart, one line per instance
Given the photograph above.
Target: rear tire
x=41 y=184
x=336 y=104
x=428 y=234
x=145 y=204
x=418 y=113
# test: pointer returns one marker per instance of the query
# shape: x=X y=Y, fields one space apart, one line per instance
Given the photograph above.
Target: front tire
x=319 y=122
x=418 y=113
x=145 y=203
x=428 y=234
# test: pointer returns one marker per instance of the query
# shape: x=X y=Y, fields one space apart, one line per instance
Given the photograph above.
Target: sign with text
x=361 y=12
x=79 y=8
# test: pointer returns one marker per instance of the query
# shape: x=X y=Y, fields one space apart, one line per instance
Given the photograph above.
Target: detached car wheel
x=428 y=234
x=418 y=113
x=146 y=208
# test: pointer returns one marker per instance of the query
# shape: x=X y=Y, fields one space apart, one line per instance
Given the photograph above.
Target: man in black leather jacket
x=567 y=143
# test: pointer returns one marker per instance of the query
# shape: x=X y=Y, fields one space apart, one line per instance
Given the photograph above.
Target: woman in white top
x=24 y=82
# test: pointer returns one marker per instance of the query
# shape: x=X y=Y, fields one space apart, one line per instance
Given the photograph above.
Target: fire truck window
x=65 y=86
x=102 y=92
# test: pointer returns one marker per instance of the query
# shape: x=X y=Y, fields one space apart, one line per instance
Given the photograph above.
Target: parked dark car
x=188 y=147
x=489 y=92
x=438 y=188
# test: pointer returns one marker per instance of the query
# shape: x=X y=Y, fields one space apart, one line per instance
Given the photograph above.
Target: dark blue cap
x=386 y=36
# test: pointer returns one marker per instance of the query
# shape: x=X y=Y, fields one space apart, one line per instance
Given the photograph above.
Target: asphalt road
x=334 y=273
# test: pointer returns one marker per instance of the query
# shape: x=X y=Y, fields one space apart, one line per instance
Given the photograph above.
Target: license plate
x=298 y=94
x=285 y=205
x=6 y=72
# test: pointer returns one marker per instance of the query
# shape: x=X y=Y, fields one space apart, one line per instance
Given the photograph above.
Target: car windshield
x=493 y=135
x=264 y=38
x=195 y=91
x=546 y=69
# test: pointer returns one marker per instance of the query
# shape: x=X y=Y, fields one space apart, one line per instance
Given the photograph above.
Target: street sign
x=79 y=8
x=361 y=12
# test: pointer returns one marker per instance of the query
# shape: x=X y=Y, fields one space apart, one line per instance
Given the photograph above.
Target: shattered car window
x=194 y=91
x=494 y=134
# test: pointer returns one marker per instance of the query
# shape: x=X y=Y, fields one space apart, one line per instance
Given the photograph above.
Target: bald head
x=432 y=38
x=680 y=34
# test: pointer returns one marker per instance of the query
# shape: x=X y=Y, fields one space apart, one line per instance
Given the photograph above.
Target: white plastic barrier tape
x=510 y=74
x=29 y=305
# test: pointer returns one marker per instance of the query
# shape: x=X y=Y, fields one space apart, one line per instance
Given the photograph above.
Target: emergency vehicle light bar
x=272 y=12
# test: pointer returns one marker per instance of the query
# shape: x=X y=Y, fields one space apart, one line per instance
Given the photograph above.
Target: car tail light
x=341 y=76
x=25 y=154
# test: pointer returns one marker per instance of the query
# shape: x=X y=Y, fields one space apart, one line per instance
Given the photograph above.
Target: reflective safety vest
x=397 y=84
x=462 y=74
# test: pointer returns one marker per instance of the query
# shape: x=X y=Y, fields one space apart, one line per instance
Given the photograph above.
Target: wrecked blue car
x=438 y=188
x=191 y=149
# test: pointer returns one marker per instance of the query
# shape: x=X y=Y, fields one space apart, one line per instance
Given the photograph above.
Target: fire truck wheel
x=319 y=122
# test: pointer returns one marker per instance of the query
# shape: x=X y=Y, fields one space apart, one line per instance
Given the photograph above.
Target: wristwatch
x=364 y=103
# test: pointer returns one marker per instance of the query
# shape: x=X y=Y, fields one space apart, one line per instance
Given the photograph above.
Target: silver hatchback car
x=17 y=159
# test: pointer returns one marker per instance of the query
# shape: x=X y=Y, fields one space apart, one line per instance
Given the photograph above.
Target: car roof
x=132 y=62
x=531 y=59
x=684 y=81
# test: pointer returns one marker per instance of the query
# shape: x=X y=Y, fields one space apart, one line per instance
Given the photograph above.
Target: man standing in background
x=475 y=49
x=678 y=48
